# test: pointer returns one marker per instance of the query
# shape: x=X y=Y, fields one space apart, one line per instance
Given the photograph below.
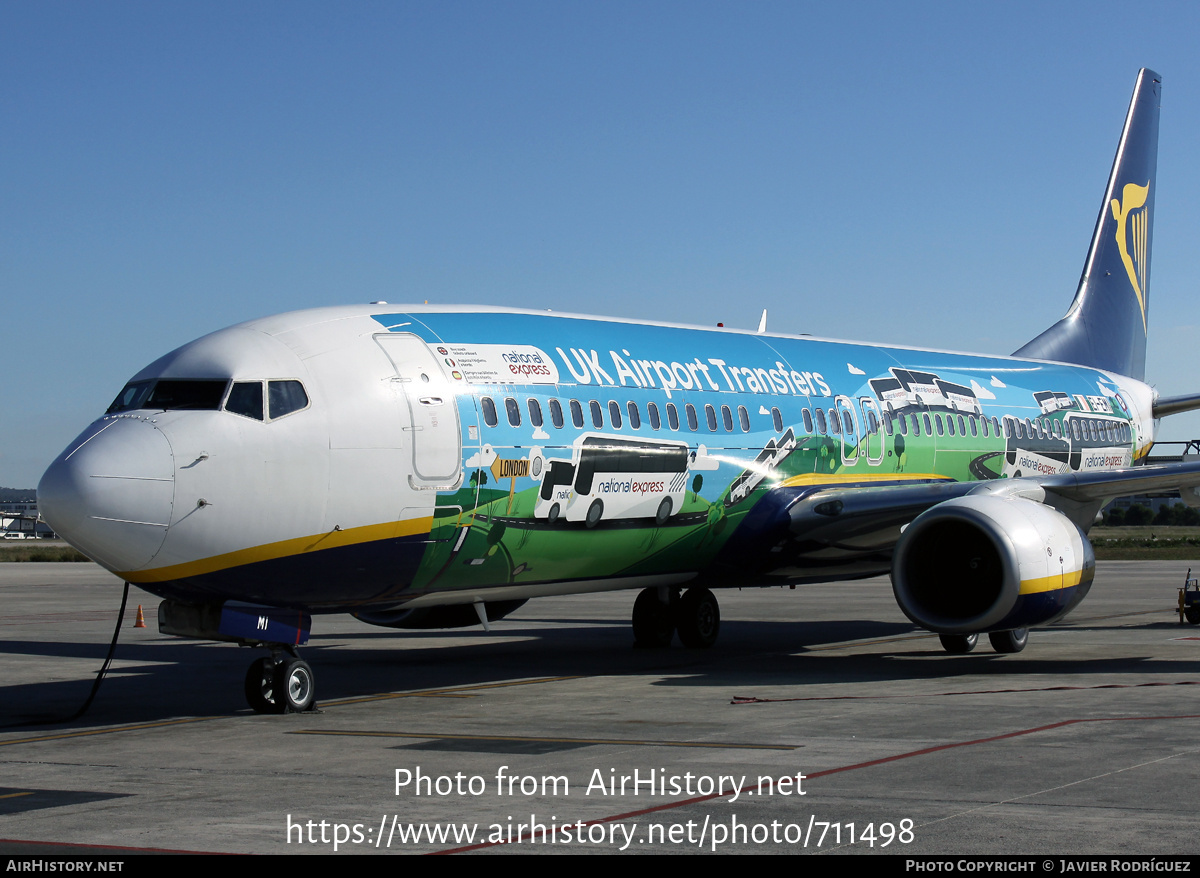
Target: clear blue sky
x=924 y=174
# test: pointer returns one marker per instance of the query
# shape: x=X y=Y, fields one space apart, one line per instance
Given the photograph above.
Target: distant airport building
x=19 y=520
x=1163 y=452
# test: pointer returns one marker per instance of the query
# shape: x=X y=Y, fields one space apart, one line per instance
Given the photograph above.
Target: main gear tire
x=698 y=618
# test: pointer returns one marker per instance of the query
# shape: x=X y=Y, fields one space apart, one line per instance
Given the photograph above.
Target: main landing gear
x=1002 y=641
x=281 y=682
x=659 y=612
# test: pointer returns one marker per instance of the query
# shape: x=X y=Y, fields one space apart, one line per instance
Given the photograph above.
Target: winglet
x=1105 y=326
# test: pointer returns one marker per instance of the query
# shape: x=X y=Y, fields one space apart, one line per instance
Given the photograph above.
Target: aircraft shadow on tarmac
x=167 y=678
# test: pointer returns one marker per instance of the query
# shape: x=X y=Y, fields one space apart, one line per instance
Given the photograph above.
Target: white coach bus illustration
x=764 y=465
x=610 y=478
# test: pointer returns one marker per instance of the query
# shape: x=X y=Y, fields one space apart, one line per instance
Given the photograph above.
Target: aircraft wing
x=1104 y=486
x=815 y=508
x=817 y=531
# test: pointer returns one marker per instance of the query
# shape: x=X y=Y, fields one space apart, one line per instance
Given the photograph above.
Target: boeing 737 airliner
x=424 y=466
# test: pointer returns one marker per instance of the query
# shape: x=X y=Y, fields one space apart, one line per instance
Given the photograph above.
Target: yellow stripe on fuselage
x=282 y=549
x=859 y=479
x=1053 y=583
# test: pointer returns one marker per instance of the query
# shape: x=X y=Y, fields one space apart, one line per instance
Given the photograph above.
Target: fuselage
x=360 y=458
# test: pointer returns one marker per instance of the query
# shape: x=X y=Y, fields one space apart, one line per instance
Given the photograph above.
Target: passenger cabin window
x=246 y=399
x=727 y=418
x=513 y=410
x=652 y=414
x=635 y=416
x=597 y=414
x=577 y=414
x=672 y=416
x=535 y=412
x=744 y=418
x=806 y=414
x=556 y=413
x=614 y=414
x=710 y=415
x=777 y=421
x=489 y=411
x=821 y=421
x=693 y=421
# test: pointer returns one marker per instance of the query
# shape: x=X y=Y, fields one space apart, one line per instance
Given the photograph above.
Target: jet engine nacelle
x=448 y=616
x=988 y=563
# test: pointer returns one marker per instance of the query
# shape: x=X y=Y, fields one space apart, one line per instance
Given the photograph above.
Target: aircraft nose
x=110 y=493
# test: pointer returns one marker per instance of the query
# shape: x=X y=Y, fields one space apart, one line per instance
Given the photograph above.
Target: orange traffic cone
x=141 y=620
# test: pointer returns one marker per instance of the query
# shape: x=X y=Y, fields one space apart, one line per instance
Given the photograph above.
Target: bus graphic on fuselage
x=765 y=464
x=907 y=388
x=1068 y=442
x=1052 y=401
x=611 y=478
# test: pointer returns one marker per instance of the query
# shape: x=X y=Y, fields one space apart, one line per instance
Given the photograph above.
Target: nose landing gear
x=281 y=683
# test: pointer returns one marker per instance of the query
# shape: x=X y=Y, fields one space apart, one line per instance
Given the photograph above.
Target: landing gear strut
x=658 y=613
x=281 y=683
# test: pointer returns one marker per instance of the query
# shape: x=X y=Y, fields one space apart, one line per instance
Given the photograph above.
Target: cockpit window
x=167 y=394
x=246 y=398
x=285 y=397
x=131 y=397
x=170 y=394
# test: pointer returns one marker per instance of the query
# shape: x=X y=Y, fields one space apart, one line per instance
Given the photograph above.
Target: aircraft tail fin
x=1105 y=326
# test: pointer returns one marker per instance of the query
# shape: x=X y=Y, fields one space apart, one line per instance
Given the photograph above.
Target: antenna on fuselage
x=762 y=322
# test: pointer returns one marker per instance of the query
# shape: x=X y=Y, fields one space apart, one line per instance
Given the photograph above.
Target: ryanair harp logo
x=1132 y=236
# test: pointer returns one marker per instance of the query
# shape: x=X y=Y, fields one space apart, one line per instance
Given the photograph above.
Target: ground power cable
x=112 y=648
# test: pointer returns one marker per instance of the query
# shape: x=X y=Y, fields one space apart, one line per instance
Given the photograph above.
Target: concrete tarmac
x=1085 y=743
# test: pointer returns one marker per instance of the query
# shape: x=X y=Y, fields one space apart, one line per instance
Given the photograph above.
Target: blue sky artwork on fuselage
x=849 y=414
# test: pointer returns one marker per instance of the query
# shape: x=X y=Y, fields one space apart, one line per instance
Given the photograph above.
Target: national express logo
x=1132 y=236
